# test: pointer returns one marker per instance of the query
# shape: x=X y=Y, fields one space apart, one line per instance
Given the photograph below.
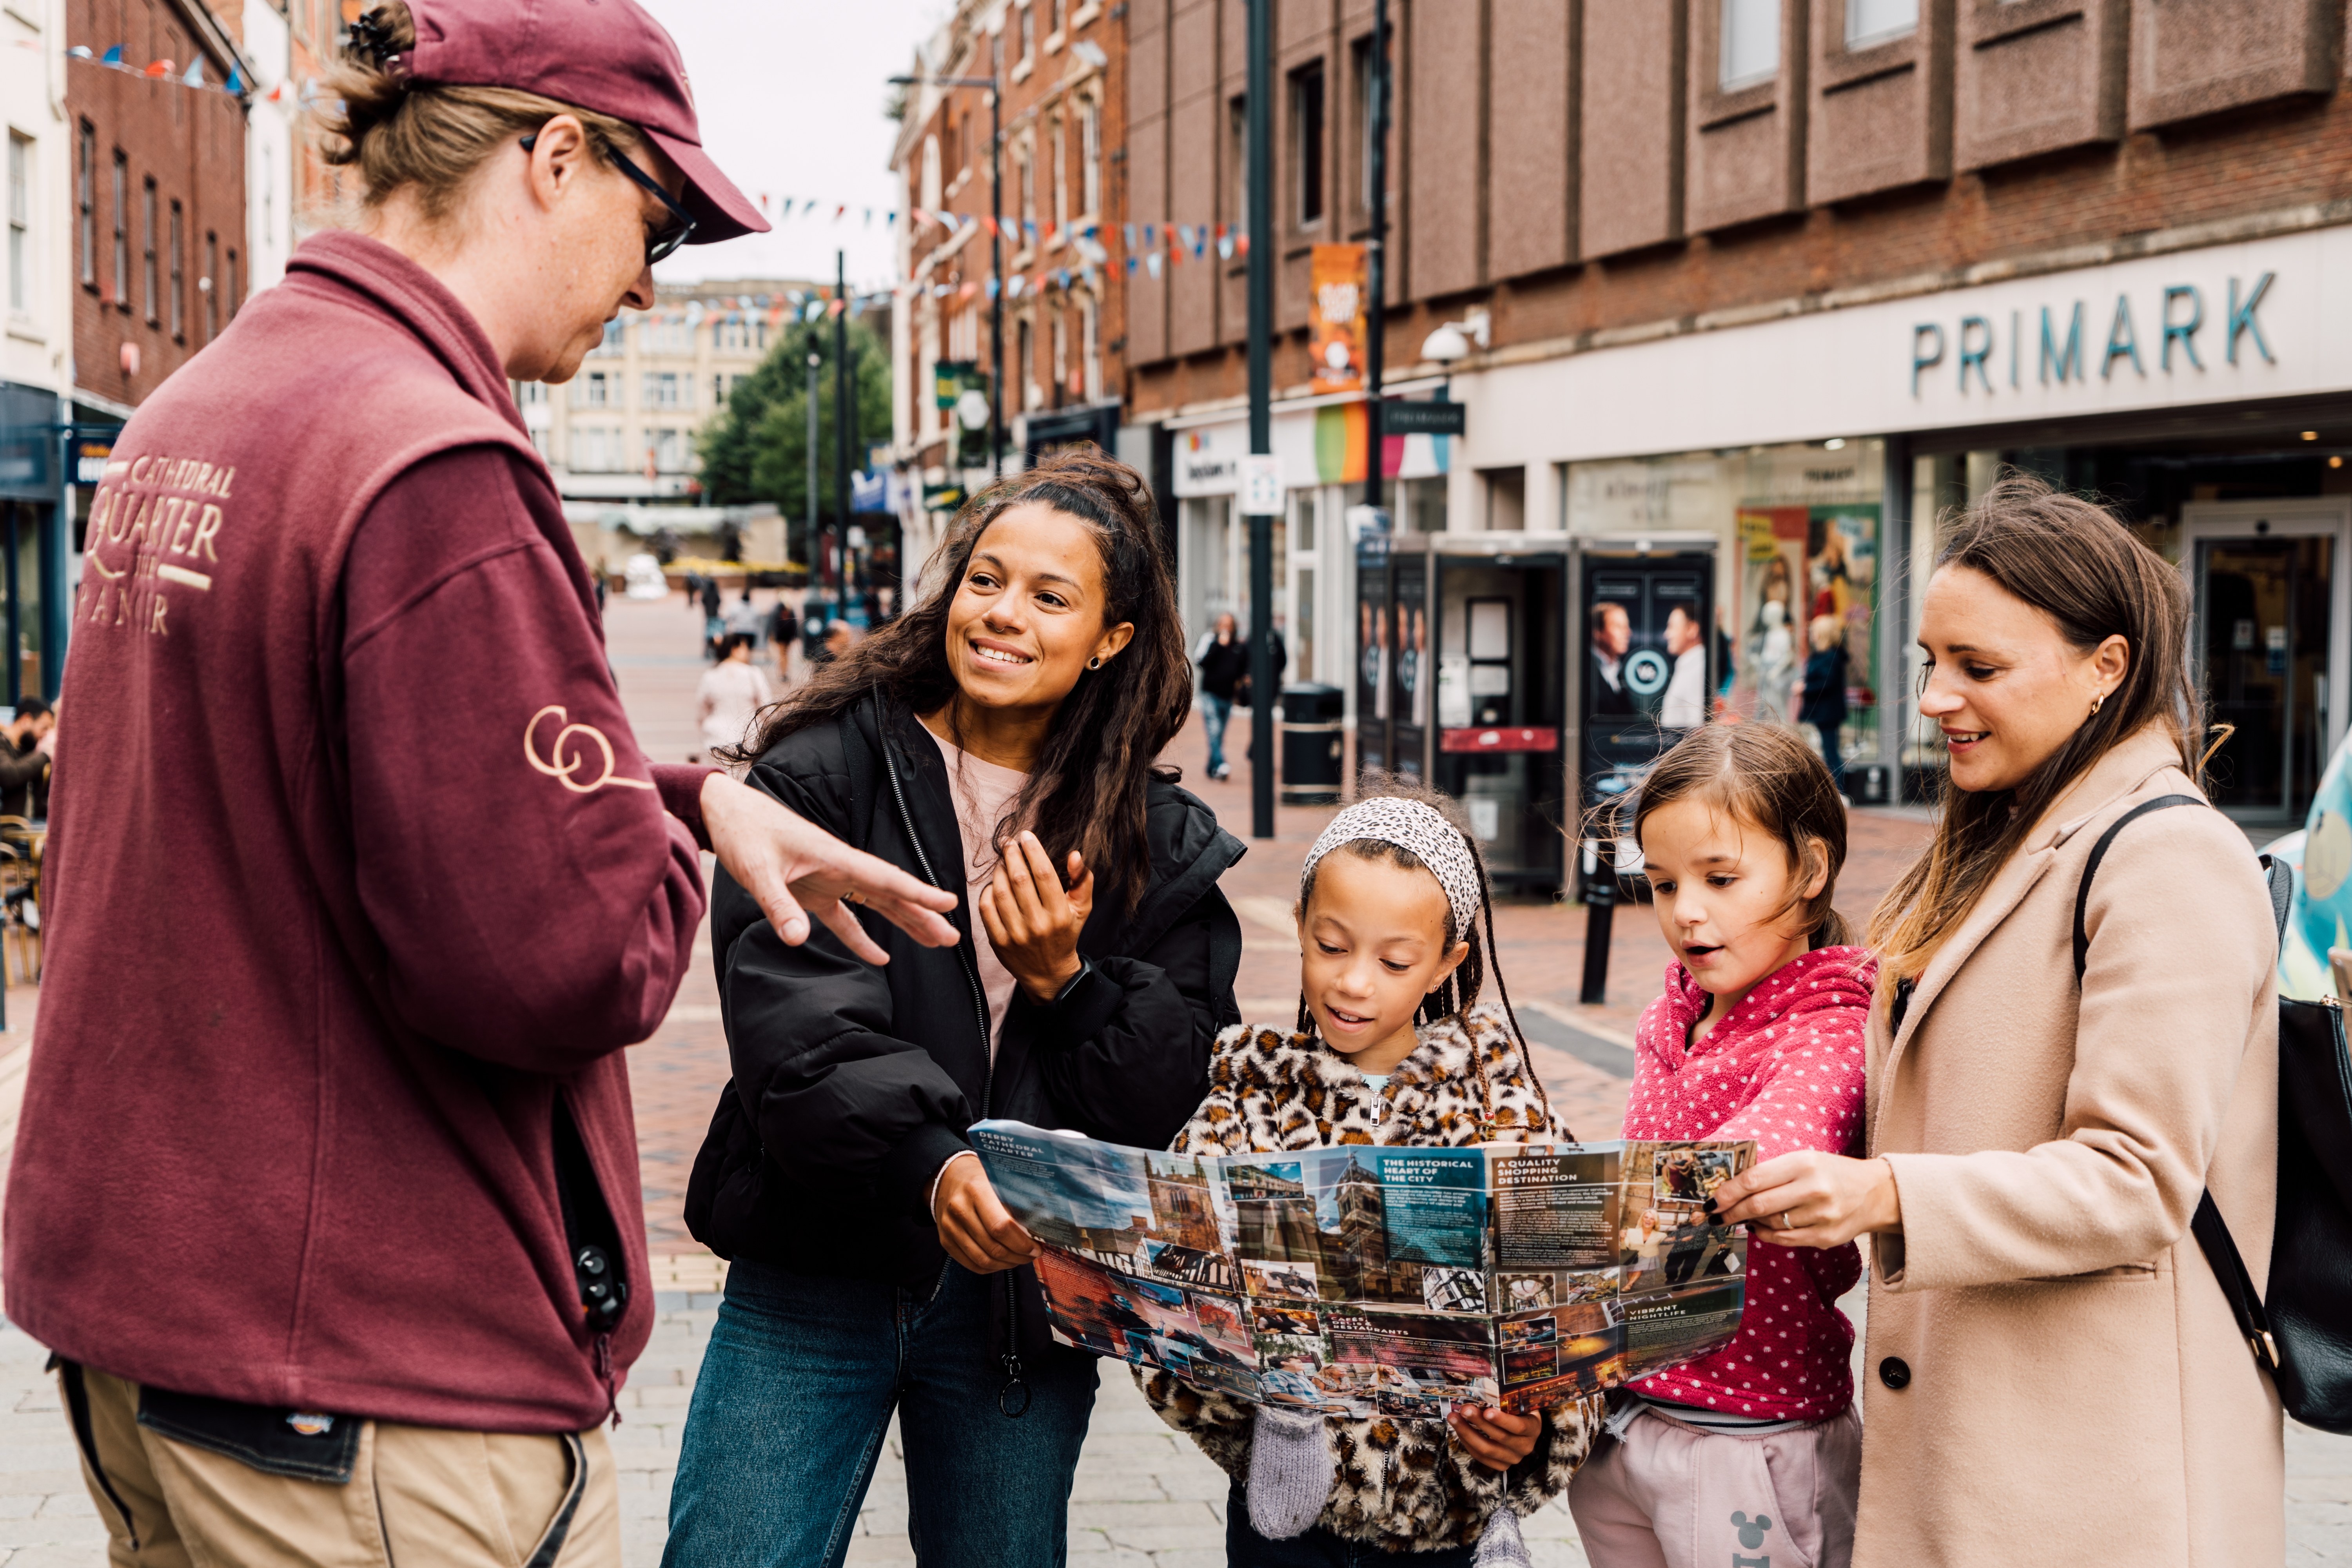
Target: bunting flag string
x=194 y=75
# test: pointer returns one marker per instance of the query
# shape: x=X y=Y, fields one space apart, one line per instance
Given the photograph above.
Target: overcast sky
x=789 y=94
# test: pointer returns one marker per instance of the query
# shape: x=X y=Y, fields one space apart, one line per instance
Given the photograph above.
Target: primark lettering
x=2173 y=330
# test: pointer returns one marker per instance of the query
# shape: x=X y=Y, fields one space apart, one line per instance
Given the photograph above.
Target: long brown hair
x=2073 y=561
x=1086 y=791
x=1764 y=776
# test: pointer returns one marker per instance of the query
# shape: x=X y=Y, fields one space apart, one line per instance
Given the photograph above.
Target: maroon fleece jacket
x=356 y=870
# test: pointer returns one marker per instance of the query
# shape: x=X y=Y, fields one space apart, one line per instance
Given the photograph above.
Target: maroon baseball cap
x=605 y=55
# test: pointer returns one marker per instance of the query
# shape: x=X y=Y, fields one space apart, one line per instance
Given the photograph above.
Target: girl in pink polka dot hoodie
x=1759 y=1035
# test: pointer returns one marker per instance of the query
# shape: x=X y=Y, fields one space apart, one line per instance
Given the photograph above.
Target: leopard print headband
x=1415 y=826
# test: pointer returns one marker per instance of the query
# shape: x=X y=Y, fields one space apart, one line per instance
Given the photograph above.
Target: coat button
x=1895 y=1372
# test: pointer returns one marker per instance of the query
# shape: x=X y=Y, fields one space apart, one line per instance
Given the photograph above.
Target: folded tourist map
x=1365 y=1279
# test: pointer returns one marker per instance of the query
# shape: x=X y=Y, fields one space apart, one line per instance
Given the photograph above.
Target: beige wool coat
x=2076 y=1388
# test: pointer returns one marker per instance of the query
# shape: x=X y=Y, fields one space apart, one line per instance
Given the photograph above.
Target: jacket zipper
x=1011 y=1357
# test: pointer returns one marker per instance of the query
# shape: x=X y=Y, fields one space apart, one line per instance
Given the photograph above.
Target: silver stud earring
x=1095 y=663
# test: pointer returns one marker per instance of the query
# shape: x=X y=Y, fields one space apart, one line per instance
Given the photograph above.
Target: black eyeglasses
x=663 y=244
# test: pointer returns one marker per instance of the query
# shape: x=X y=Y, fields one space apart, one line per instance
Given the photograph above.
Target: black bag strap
x=2211 y=1231
x=2099 y=853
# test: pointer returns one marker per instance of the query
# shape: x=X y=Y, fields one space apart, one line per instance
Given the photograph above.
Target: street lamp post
x=811 y=538
x=1376 y=311
x=995 y=250
x=1260 y=219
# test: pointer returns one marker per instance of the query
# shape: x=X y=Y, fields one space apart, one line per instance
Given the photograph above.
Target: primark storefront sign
x=2048 y=344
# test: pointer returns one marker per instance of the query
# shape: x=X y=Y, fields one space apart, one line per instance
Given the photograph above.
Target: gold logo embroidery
x=566 y=759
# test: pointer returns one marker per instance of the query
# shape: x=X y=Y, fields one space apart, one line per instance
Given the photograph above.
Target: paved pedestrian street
x=1143 y=1495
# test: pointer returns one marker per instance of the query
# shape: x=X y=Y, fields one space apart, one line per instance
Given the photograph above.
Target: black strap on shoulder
x=2099 y=853
x=2237 y=1285
x=2211 y=1231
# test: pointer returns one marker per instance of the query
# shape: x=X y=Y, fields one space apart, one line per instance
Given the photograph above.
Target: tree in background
x=757 y=448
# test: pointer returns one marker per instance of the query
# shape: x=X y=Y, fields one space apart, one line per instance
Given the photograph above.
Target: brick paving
x=1142 y=1495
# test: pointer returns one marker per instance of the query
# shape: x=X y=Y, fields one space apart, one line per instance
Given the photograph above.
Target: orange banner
x=1338 y=276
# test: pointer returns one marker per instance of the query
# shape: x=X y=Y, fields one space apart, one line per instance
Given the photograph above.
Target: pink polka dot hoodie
x=1786 y=1069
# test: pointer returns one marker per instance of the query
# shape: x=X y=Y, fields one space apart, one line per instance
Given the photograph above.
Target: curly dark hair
x=1086 y=791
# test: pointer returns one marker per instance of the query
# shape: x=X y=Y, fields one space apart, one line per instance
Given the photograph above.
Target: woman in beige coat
x=2051 y=1373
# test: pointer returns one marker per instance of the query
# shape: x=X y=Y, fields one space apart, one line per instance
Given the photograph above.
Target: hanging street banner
x=1336 y=274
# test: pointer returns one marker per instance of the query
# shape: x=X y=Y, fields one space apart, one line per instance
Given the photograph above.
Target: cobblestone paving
x=1142 y=1495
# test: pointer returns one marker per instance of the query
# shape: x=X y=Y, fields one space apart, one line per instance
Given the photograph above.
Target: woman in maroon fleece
x=326 y=1187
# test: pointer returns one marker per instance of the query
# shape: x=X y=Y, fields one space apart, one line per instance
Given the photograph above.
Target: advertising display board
x=1648 y=659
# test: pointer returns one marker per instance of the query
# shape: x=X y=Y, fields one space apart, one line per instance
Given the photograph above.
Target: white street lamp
x=1446 y=346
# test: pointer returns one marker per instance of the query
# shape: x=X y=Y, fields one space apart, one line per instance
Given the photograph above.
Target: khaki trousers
x=417 y=1495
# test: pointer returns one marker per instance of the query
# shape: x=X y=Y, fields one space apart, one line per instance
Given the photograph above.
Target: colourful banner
x=1337 y=276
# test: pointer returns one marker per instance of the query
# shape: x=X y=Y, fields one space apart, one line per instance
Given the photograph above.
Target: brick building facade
x=1062 y=67
x=1769 y=282
x=158 y=198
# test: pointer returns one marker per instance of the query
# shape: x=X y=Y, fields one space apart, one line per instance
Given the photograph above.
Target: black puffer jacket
x=853 y=1084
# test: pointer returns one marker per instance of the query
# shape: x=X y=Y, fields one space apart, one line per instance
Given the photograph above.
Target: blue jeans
x=1318 y=1547
x=795 y=1395
x=1214 y=712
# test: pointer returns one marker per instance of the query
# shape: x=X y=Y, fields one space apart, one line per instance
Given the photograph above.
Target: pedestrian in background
x=1223 y=659
x=784 y=632
x=2052 y=1373
x=732 y=694
x=25 y=760
x=1822 y=701
x=998 y=738
x=326 y=1198
x=745 y=619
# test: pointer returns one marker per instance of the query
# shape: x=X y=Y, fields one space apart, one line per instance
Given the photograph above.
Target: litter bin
x=1311 y=743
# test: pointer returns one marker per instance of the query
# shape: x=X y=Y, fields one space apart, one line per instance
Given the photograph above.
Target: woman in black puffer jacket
x=999 y=739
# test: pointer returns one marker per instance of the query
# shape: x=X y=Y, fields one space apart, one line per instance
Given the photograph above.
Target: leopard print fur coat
x=1401 y=1485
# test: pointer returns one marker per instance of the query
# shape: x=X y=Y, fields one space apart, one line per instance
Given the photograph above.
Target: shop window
x=122 y=278
x=1797 y=560
x=1749 y=52
x=1089 y=156
x=1507 y=499
x=1869 y=21
x=1237 y=160
x=179 y=277
x=1306 y=141
x=20 y=217
x=1057 y=149
x=148 y=271
x=661 y=389
x=209 y=286
x=1090 y=347
x=1421 y=505
x=86 y=203
x=1361 y=116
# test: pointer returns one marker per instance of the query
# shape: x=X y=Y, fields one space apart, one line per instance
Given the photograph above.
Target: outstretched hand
x=791 y=868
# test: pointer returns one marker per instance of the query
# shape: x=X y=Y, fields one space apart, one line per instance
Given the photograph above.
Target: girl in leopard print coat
x=1388 y=1049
